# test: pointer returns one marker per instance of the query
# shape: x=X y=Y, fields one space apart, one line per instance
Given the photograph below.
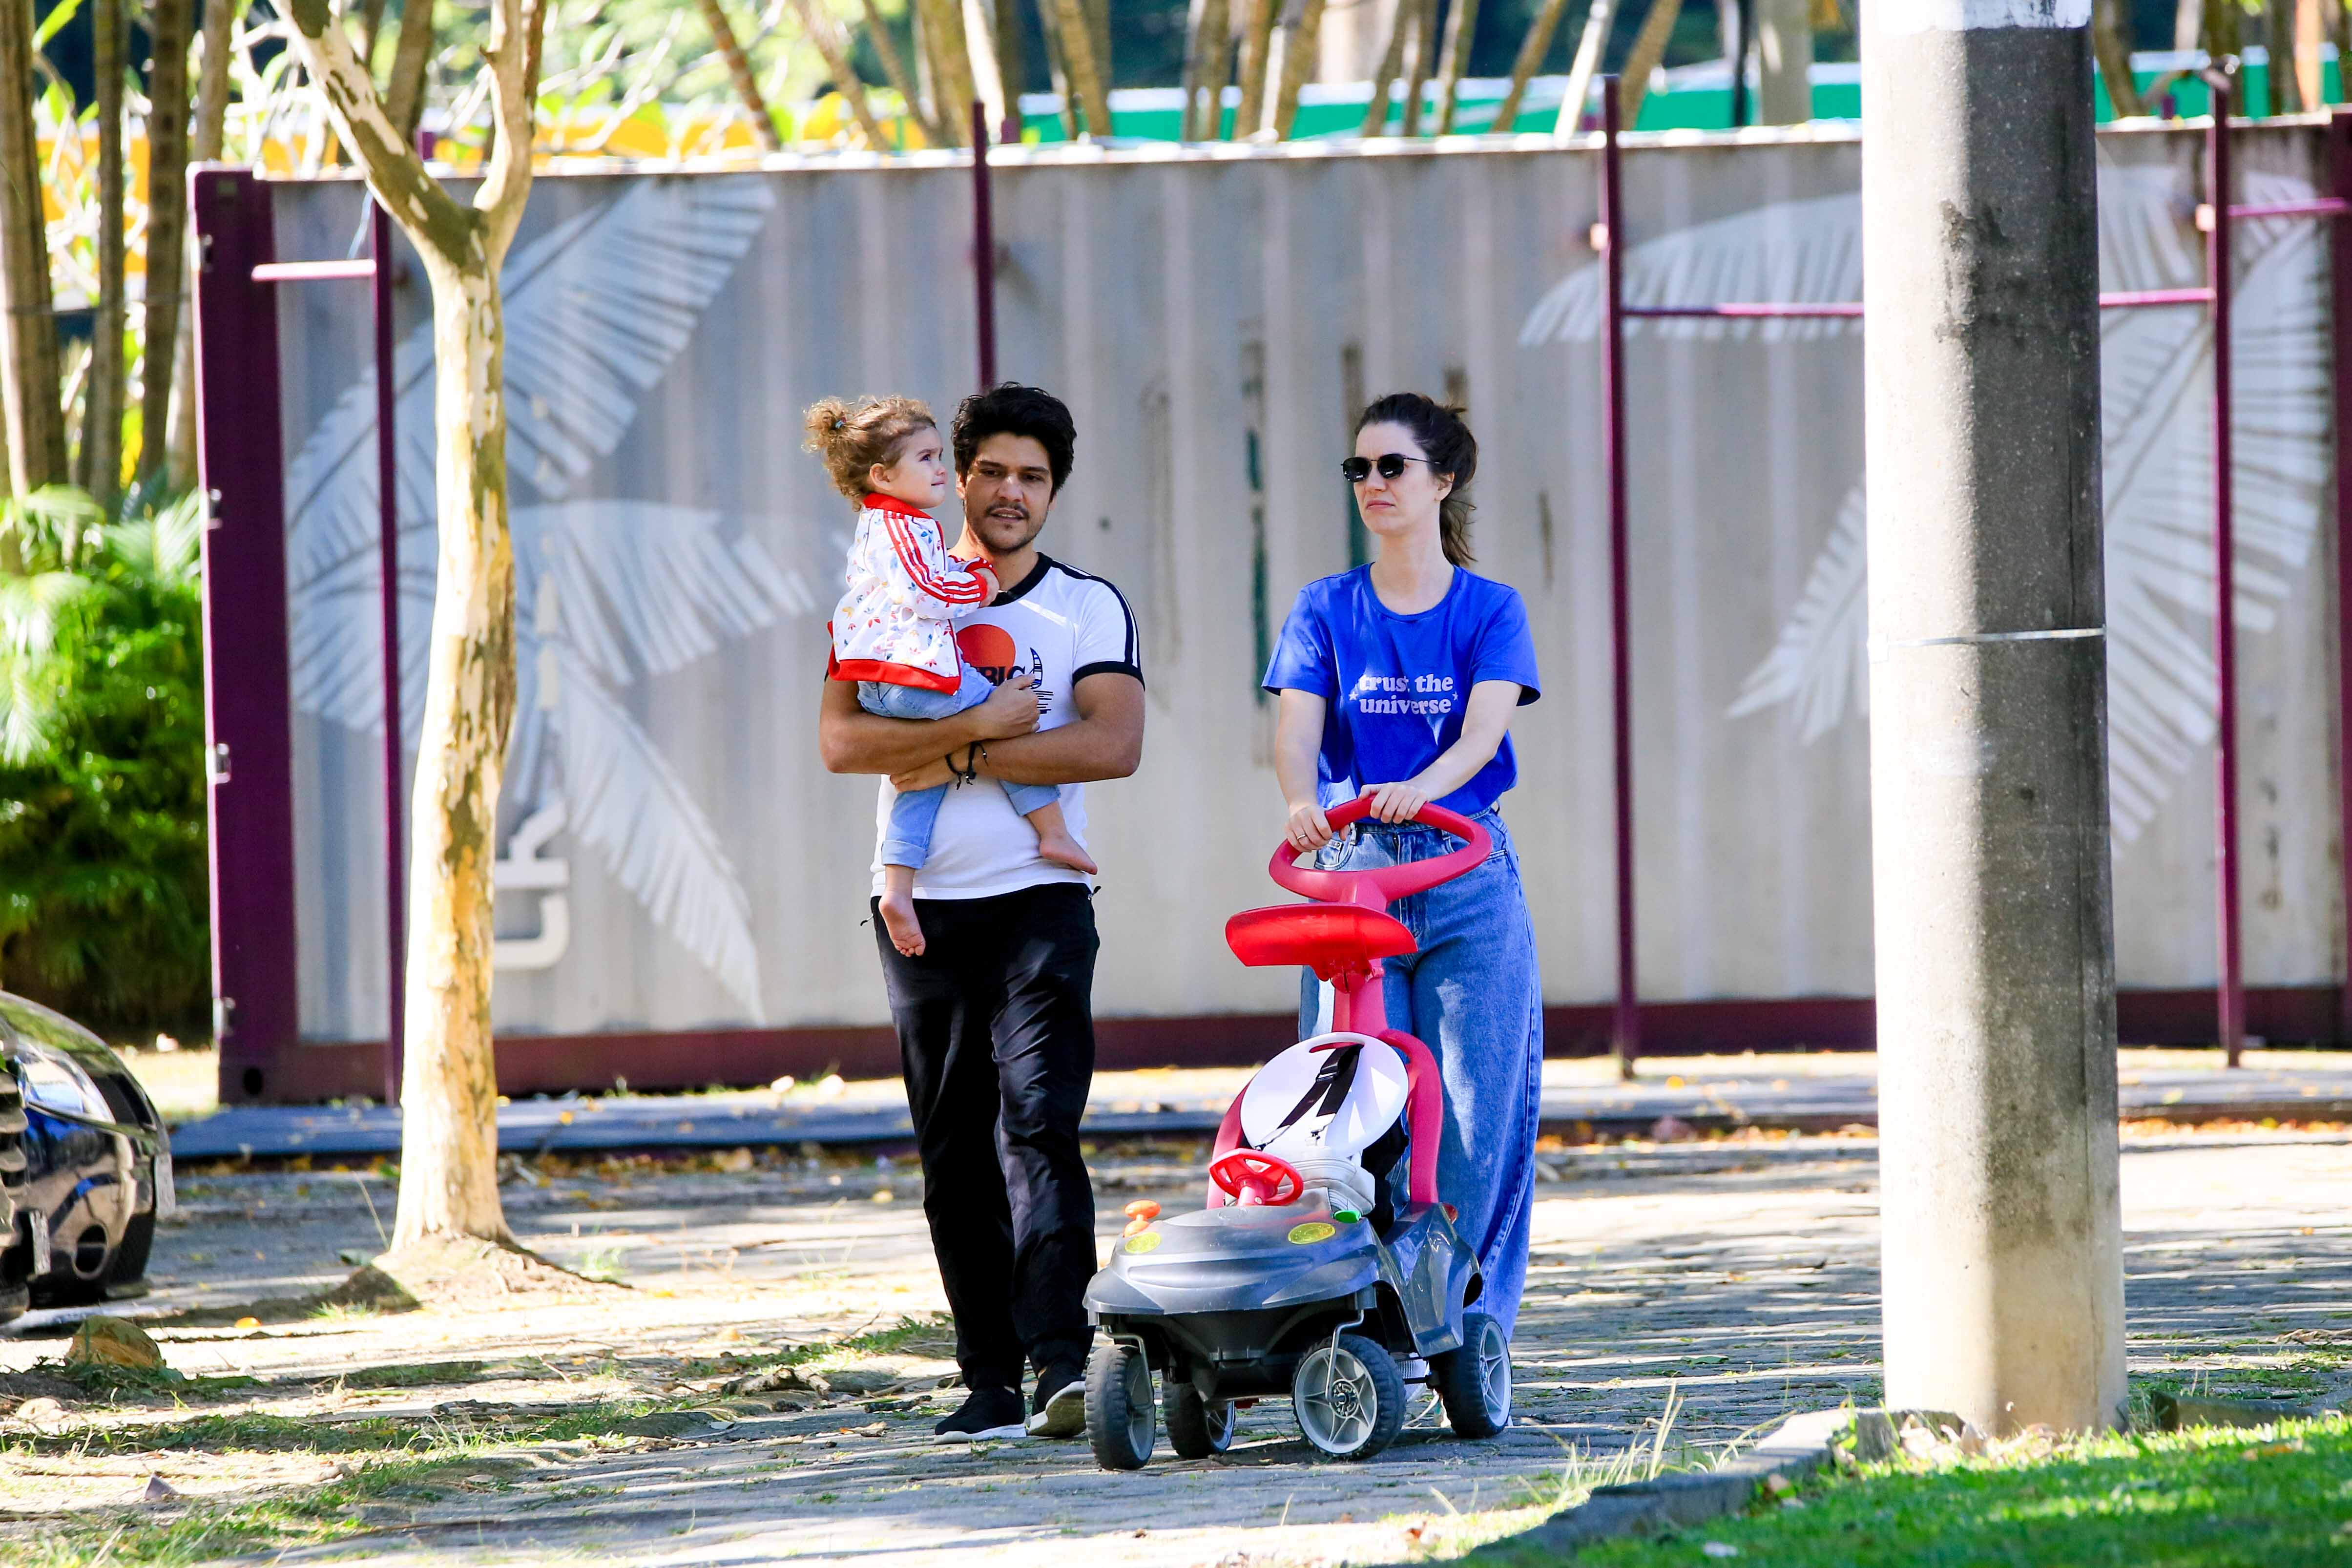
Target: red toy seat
x=1329 y=939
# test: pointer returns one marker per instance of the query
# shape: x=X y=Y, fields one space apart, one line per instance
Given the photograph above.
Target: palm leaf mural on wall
x=609 y=592
x=2156 y=367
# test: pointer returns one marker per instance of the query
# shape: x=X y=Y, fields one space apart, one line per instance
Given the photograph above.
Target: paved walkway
x=1810 y=1092
x=1737 y=1278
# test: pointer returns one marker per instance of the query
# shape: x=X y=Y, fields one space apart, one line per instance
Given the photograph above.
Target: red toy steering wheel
x=1243 y=1173
x=1375 y=887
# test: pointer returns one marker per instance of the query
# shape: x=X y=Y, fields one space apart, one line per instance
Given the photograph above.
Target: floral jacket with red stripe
x=897 y=622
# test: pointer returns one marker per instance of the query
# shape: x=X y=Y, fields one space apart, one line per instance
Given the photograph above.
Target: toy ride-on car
x=1303 y=1275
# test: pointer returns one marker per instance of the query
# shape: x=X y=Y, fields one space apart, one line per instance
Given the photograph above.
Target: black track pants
x=996 y=1035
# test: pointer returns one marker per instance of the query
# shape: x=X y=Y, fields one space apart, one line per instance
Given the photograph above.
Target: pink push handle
x=1382 y=883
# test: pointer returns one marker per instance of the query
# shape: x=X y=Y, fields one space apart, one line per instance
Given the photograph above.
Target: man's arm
x=1103 y=742
x=852 y=741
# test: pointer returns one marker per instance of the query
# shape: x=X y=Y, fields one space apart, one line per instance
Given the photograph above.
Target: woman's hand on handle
x=1397 y=801
x=1308 y=829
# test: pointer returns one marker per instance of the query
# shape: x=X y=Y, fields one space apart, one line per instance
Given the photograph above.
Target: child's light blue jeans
x=916 y=812
x=1473 y=996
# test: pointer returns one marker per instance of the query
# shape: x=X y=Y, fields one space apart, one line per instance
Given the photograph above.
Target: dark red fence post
x=387 y=484
x=240 y=460
x=1625 y=1023
x=983 y=248
x=2232 y=987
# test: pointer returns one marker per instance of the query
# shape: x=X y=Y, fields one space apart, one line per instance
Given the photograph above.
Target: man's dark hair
x=1009 y=408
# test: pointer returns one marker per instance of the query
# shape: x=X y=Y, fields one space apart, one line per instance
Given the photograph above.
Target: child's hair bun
x=852 y=438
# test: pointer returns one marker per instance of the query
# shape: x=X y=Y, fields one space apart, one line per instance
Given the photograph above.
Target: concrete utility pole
x=2002 y=1251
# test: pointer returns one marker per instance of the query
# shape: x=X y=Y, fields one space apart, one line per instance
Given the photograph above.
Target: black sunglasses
x=1356 y=471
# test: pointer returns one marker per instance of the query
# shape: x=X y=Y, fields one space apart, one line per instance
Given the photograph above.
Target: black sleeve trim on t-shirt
x=1134 y=641
x=1107 y=668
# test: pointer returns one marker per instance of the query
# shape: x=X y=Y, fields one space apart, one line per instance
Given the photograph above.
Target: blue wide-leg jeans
x=1471 y=994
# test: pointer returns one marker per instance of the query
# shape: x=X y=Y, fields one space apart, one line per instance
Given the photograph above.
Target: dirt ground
x=1729 y=1281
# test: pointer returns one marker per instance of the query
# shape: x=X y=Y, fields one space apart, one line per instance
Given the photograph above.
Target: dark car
x=97 y=1165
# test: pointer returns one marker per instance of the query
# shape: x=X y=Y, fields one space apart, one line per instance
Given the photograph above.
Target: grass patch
x=2269 y=1497
x=257 y=1432
x=202 y=1532
x=419 y=1374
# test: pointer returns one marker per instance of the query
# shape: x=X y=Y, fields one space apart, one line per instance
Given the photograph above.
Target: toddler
x=894 y=630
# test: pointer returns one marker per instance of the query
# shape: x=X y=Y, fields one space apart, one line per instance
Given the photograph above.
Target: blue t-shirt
x=1397 y=686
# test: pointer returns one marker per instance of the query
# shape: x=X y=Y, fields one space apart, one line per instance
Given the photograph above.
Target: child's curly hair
x=852 y=438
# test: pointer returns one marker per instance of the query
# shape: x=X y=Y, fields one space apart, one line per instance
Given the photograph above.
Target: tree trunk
x=2310 y=33
x=2336 y=27
x=1416 y=63
x=825 y=32
x=101 y=434
x=1098 y=31
x=1299 y=48
x=1076 y=32
x=738 y=72
x=2222 y=32
x=943 y=49
x=371 y=31
x=1057 y=67
x=29 y=369
x=2115 y=59
x=1532 y=50
x=1376 y=112
x=878 y=32
x=448 y=1175
x=1784 y=60
x=1597 y=23
x=1012 y=59
x=411 y=58
x=987 y=69
x=1454 y=58
x=1208 y=51
x=1257 y=43
x=212 y=118
x=167 y=222
x=448 y=1169
x=1649 y=49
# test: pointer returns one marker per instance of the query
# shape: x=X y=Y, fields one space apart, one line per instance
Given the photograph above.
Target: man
x=995 y=1017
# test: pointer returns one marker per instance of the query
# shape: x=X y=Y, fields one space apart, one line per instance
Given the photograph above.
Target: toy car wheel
x=1475 y=1382
x=1349 y=1398
x=1196 y=1429
x=1119 y=1416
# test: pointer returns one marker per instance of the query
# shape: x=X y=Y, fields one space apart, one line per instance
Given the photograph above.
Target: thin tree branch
x=738 y=72
x=433 y=217
x=1532 y=50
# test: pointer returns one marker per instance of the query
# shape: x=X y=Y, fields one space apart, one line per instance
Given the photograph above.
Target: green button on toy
x=1144 y=1243
x=1312 y=1231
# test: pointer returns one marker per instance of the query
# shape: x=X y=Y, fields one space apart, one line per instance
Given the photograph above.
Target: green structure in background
x=1151 y=114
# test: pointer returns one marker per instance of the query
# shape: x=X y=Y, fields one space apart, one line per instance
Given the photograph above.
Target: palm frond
x=629 y=804
x=1818 y=660
x=2155 y=377
x=1802 y=252
x=595 y=311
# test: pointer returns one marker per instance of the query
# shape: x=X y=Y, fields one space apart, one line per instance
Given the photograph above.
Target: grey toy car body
x=96 y=1171
x=1305 y=1273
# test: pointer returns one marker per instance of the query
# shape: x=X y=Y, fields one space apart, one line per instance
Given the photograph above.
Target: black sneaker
x=1058 y=1408
x=985 y=1414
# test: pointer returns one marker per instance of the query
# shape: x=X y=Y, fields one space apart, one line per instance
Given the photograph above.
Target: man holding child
x=994 y=1006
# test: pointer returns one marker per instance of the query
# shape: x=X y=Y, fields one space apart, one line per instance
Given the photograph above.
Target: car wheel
x=129 y=1275
x=1349 y=1398
x=1120 y=1420
x=1198 y=1429
x=1475 y=1382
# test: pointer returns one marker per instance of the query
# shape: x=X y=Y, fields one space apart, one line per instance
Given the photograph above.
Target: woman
x=1398 y=681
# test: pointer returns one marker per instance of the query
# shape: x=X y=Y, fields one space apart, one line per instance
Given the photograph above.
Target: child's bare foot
x=899 y=920
x=1064 y=850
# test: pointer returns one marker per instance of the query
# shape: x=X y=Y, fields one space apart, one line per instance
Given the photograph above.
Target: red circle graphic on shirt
x=988 y=651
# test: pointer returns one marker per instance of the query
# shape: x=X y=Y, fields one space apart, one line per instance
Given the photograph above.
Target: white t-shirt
x=1061 y=625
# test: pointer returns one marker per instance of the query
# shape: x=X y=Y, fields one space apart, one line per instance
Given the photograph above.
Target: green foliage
x=102 y=895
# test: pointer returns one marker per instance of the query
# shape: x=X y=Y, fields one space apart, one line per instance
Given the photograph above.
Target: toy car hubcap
x=1495 y=1374
x=1335 y=1396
